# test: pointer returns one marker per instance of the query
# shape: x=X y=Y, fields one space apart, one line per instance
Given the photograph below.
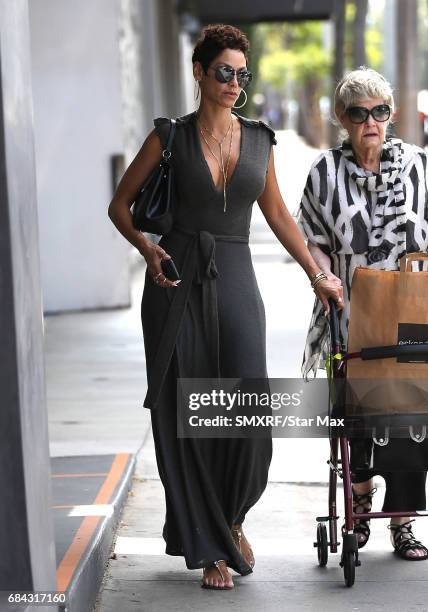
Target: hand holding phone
x=170 y=270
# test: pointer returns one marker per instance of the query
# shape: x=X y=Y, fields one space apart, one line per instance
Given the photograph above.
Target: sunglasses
x=360 y=114
x=225 y=74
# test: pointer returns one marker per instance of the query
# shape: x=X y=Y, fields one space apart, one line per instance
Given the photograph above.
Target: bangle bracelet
x=318 y=280
x=314 y=277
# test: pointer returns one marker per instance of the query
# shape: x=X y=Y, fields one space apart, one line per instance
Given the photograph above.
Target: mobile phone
x=170 y=270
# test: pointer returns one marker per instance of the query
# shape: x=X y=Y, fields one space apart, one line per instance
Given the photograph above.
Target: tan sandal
x=224 y=587
x=237 y=538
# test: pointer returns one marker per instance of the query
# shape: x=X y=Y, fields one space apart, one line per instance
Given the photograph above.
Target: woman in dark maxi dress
x=211 y=324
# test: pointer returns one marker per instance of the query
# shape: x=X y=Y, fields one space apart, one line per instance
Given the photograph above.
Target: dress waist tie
x=199 y=268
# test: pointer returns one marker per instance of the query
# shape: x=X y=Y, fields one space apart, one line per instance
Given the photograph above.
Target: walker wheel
x=322 y=544
x=348 y=564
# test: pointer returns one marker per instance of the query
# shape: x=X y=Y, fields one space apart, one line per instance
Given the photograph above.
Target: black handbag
x=152 y=210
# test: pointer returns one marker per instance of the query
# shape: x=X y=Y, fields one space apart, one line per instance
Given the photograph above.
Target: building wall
x=102 y=70
x=187 y=80
x=133 y=15
x=156 y=67
x=78 y=126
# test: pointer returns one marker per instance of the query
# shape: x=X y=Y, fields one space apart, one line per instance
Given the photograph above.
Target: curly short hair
x=359 y=84
x=214 y=39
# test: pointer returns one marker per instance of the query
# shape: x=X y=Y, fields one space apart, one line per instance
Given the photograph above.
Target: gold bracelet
x=315 y=276
x=318 y=280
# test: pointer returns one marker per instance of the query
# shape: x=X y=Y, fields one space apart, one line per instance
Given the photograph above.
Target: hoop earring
x=246 y=98
x=196 y=90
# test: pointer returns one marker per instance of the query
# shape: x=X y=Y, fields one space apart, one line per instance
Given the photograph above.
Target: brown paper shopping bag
x=388 y=308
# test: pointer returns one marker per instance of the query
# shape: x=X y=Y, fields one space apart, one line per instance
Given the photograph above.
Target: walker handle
x=334 y=326
x=403 y=350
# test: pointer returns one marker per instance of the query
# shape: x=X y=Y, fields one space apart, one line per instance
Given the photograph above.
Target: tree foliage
x=373 y=35
x=293 y=52
x=297 y=59
x=298 y=51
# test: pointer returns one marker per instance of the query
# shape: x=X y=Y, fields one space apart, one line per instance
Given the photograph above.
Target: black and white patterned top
x=363 y=219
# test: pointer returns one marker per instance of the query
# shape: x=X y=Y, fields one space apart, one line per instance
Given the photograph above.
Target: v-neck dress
x=212 y=325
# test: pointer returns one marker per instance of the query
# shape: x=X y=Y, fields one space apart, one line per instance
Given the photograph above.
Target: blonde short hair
x=358 y=85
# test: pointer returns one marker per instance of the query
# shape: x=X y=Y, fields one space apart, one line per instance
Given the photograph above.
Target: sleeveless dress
x=212 y=325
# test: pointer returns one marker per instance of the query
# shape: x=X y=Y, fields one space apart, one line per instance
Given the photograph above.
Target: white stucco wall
x=78 y=126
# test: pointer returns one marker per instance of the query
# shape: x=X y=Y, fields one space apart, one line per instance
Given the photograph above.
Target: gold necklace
x=224 y=171
x=220 y=143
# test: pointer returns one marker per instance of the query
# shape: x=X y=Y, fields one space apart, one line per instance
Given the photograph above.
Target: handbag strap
x=166 y=153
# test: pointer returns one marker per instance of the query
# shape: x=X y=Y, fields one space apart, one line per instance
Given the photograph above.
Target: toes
x=227 y=582
x=415 y=553
x=211 y=578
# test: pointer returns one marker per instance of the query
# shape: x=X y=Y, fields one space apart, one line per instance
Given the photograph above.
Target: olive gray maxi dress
x=212 y=325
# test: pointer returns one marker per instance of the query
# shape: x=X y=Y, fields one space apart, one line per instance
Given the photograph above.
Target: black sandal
x=216 y=564
x=404 y=541
x=361 y=528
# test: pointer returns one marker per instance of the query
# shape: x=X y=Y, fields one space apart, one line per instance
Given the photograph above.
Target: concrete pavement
x=95 y=371
x=281 y=526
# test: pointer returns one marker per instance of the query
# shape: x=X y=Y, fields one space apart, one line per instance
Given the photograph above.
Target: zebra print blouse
x=362 y=219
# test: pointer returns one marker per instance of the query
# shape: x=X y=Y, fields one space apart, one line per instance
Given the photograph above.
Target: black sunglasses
x=225 y=74
x=360 y=114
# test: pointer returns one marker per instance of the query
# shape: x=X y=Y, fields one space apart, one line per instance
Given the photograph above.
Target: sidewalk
x=95 y=373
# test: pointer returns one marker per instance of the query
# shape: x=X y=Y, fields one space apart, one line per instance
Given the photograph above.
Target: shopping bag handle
x=407 y=259
x=406 y=267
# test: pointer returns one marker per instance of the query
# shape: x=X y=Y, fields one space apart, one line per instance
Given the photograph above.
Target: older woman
x=349 y=212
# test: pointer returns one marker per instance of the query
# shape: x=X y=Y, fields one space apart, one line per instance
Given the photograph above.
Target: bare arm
x=323 y=261
x=287 y=232
x=119 y=212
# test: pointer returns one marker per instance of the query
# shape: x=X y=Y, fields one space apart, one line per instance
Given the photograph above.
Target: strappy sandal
x=237 y=538
x=361 y=526
x=404 y=541
x=216 y=564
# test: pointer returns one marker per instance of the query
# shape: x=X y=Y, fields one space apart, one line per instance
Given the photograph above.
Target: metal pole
x=359 y=41
x=408 y=125
x=339 y=58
